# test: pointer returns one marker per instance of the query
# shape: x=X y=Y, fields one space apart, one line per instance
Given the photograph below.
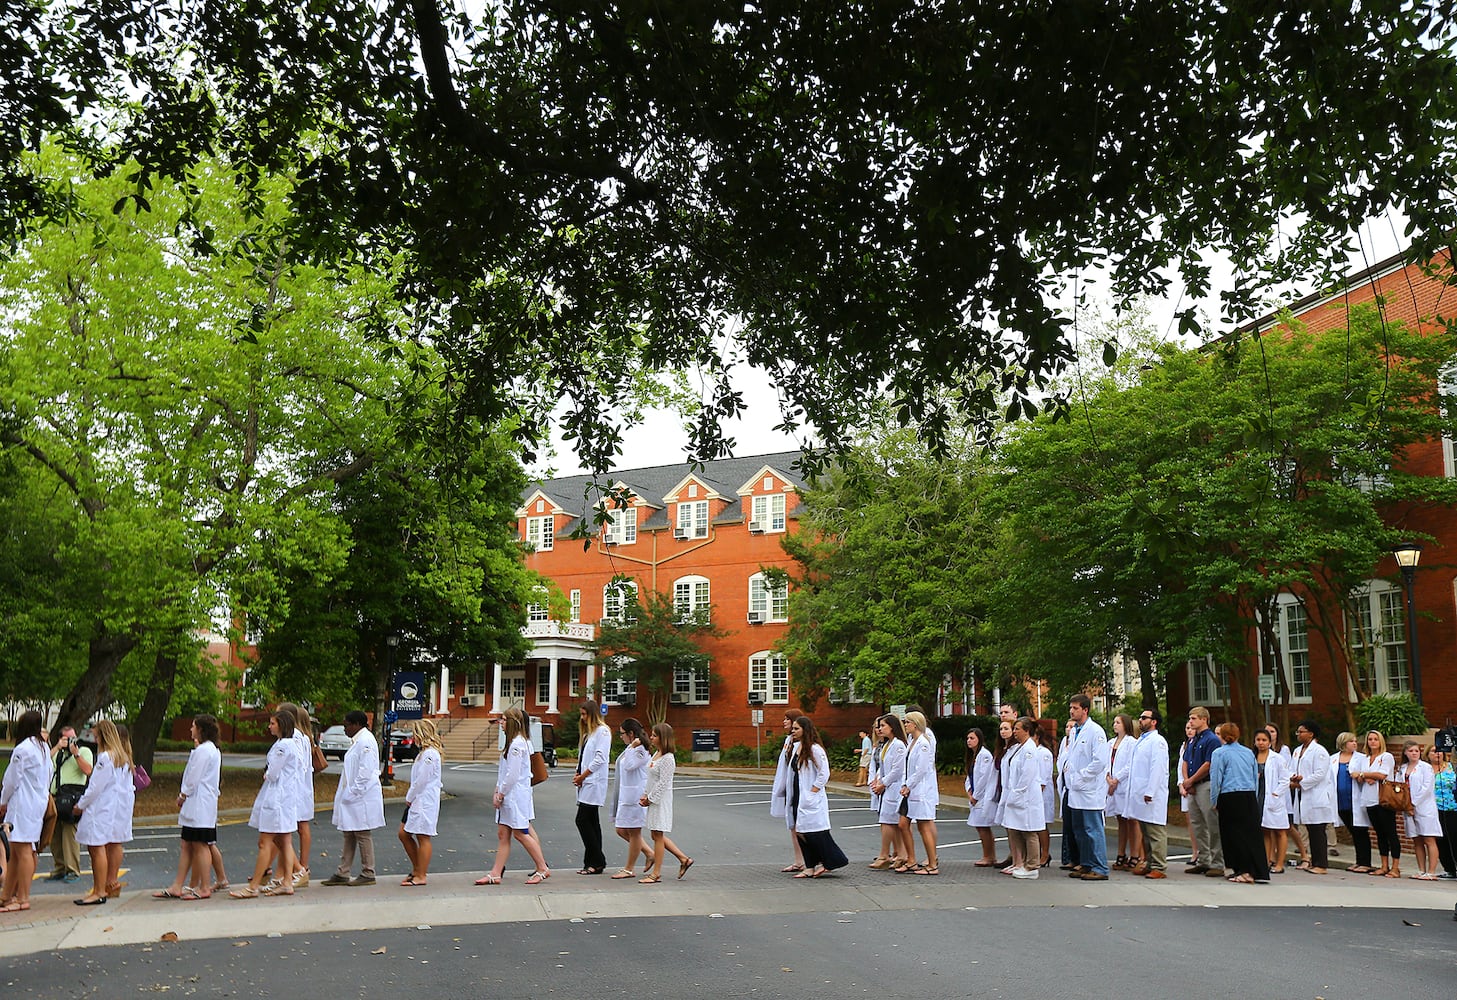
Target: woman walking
x=1022 y=801
x=922 y=790
x=810 y=804
x=1234 y=792
x=1120 y=764
x=1376 y=767
x=197 y=814
x=513 y=803
x=658 y=798
x=981 y=789
x=628 y=814
x=422 y=802
x=895 y=843
x=106 y=809
x=1422 y=825
x=275 y=811
x=303 y=735
x=1274 y=793
x=593 y=747
x=779 y=796
x=24 y=796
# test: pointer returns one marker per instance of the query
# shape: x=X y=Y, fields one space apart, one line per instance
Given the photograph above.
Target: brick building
x=1417 y=297
x=705 y=536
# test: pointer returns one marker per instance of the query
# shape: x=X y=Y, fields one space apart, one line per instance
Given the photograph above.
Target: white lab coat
x=892 y=776
x=1049 y=787
x=107 y=804
x=1422 y=785
x=1363 y=795
x=593 y=789
x=513 y=781
x=25 y=790
x=922 y=790
x=1149 y=778
x=1316 y=803
x=1085 y=768
x=1022 y=789
x=983 y=783
x=201 y=783
x=1275 y=810
x=359 y=800
x=275 y=807
x=779 y=797
x=632 y=778
x=1120 y=765
x=814 y=806
x=424 y=794
x=304 y=779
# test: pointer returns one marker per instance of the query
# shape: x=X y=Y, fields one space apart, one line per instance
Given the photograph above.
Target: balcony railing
x=582 y=631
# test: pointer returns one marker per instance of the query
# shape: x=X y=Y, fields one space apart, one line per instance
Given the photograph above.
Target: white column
x=443 y=705
x=551 y=698
x=496 y=707
x=591 y=679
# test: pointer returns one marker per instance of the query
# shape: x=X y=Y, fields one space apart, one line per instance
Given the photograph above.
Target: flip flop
x=651 y=879
x=17 y=907
x=489 y=879
x=410 y=880
x=805 y=874
x=167 y=894
x=189 y=894
x=683 y=868
x=624 y=873
x=792 y=868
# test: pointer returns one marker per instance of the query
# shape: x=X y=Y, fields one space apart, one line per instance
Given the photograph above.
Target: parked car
x=334 y=742
x=405 y=747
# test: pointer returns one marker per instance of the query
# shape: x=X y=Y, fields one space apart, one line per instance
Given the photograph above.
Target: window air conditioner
x=756 y=617
x=681 y=534
x=837 y=698
x=678 y=698
x=756 y=527
x=471 y=700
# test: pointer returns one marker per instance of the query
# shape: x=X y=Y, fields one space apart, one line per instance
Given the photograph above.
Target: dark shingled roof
x=726 y=475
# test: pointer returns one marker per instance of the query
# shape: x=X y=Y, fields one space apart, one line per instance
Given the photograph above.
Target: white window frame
x=769 y=513
x=1293 y=632
x=1447 y=387
x=576 y=608
x=621 y=526
x=614 y=688
x=693 y=683
x=690 y=598
x=513 y=687
x=772 y=602
x=614 y=601
x=537 y=612
x=693 y=518
x=1381 y=616
x=574 y=678
x=1208 y=682
x=769 y=675
x=475 y=683
x=541 y=533
x=543 y=684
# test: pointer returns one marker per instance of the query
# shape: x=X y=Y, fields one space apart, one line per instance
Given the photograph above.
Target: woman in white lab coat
x=594 y=745
x=981 y=792
x=1312 y=791
x=779 y=797
x=275 y=810
x=1422 y=825
x=106 y=809
x=628 y=815
x=921 y=789
x=1274 y=792
x=1022 y=801
x=810 y=803
x=895 y=843
x=422 y=802
x=1049 y=793
x=1368 y=770
x=24 y=797
x=513 y=802
x=1120 y=764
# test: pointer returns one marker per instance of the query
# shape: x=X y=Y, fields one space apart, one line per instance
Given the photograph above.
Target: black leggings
x=1448 y=844
x=1383 y=821
x=1360 y=837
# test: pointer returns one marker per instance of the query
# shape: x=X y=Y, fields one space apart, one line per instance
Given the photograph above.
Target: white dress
x=632 y=778
x=424 y=794
x=659 y=792
x=982 y=781
x=275 y=808
x=107 y=804
x=201 y=781
x=513 y=781
x=25 y=790
x=892 y=776
x=1422 y=784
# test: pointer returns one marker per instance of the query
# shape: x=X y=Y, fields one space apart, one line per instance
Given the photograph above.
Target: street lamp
x=1408 y=554
x=387 y=779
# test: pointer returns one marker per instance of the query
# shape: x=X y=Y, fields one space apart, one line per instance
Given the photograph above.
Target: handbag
x=539 y=773
x=141 y=780
x=321 y=763
x=1395 y=795
x=66 y=798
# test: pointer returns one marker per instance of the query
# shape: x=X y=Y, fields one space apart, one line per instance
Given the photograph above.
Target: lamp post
x=387 y=778
x=1408 y=554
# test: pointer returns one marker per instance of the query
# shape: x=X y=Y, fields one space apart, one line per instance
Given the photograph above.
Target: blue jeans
x=1088 y=826
x=1069 y=839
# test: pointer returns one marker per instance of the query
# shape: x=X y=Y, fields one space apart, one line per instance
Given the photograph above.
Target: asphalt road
x=1045 y=953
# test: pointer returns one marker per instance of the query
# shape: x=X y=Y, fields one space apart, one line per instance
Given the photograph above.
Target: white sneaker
x=1024 y=872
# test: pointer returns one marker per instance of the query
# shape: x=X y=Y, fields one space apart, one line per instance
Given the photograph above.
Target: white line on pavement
x=756 y=802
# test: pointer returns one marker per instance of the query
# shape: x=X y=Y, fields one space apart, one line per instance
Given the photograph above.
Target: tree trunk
x=92 y=692
x=1147 y=680
x=148 y=723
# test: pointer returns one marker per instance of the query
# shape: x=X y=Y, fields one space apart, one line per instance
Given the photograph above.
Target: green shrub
x=174 y=745
x=568 y=731
x=1392 y=715
x=742 y=755
x=247 y=747
x=951 y=739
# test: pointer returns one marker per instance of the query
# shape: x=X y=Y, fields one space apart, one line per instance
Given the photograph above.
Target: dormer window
x=692 y=519
x=768 y=512
x=541 y=532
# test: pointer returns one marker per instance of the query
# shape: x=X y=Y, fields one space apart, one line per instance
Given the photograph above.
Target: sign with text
x=409 y=694
x=1267 y=687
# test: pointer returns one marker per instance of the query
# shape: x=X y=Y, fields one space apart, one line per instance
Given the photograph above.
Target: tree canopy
x=860 y=197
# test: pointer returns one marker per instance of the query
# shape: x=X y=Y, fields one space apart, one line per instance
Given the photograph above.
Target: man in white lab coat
x=359 y=803
x=1086 y=772
x=1148 y=794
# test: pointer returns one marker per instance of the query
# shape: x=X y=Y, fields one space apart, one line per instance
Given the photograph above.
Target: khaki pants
x=1204 y=822
x=65 y=852
x=365 y=841
x=1155 y=846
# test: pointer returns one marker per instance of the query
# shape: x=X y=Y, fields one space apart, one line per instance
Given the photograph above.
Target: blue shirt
x=1343 y=787
x=1201 y=751
x=1446 y=794
x=1232 y=769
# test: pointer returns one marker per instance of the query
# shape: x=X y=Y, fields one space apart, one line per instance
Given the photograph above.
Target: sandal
x=278 y=890
x=934 y=869
x=1357 y=870
x=918 y=869
x=15 y=907
x=624 y=873
x=985 y=864
x=222 y=886
x=879 y=864
x=189 y=893
x=410 y=880
x=650 y=879
x=536 y=878
x=683 y=868
x=247 y=892
x=807 y=873
x=799 y=868
x=589 y=871
x=1394 y=873
x=489 y=879
x=167 y=893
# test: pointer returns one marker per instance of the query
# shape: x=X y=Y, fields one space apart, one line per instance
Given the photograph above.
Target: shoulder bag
x=1394 y=795
x=321 y=763
x=539 y=773
x=141 y=780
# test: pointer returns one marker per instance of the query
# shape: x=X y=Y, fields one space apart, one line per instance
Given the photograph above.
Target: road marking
x=862 y=826
x=756 y=802
x=709 y=795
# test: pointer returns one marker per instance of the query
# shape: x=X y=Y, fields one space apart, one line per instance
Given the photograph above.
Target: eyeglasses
x=1145 y=718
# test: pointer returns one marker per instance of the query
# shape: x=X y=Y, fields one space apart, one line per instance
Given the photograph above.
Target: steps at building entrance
x=460 y=741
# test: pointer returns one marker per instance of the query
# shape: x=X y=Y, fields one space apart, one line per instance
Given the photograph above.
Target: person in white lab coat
x=422 y=802
x=981 y=795
x=921 y=789
x=197 y=813
x=1148 y=794
x=1022 y=801
x=1422 y=825
x=593 y=748
x=1085 y=770
x=896 y=845
x=358 y=803
x=1120 y=763
x=811 y=804
x=1274 y=793
x=1368 y=770
x=1313 y=792
x=513 y=802
x=106 y=809
x=779 y=795
x=24 y=797
x=1045 y=758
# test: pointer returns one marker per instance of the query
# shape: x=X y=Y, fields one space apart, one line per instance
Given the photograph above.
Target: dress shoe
x=335 y=879
x=361 y=880
x=1093 y=877
x=1155 y=873
x=1077 y=872
x=1197 y=870
x=1214 y=873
